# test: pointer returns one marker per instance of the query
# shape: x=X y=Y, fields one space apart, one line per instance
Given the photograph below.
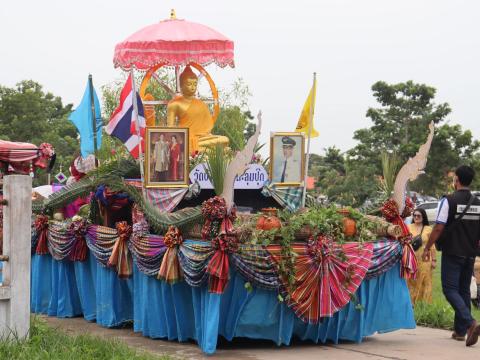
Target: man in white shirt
x=287 y=168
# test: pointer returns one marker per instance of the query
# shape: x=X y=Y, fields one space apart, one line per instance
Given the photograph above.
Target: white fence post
x=15 y=289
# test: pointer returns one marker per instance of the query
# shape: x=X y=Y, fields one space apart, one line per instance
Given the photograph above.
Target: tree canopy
x=29 y=114
x=400 y=125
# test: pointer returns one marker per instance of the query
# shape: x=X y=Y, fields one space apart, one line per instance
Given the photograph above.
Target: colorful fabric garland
x=146 y=249
x=327 y=274
x=194 y=257
x=386 y=253
x=60 y=240
x=256 y=265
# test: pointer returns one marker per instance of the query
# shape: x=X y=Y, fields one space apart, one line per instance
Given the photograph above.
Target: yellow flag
x=306 y=117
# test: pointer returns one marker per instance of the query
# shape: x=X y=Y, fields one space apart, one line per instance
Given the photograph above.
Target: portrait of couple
x=167 y=157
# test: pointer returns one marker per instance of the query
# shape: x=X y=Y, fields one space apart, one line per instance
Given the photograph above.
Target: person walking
x=421 y=287
x=457 y=229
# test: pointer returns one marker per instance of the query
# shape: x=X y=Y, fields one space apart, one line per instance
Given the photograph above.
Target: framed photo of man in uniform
x=287 y=155
x=166 y=157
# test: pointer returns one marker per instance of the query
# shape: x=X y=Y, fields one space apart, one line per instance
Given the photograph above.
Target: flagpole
x=135 y=113
x=307 y=159
x=94 y=119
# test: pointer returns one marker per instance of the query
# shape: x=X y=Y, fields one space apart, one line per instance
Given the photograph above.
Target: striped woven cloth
x=60 y=239
x=164 y=200
x=325 y=278
x=386 y=253
x=255 y=264
x=100 y=241
x=194 y=257
x=148 y=251
x=287 y=196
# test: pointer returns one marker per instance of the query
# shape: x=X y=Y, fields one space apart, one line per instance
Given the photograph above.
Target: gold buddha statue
x=193 y=113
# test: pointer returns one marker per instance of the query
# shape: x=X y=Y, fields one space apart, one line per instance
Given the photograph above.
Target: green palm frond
x=216 y=168
x=390 y=167
x=112 y=175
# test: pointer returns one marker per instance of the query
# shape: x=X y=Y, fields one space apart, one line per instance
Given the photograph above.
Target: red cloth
x=174 y=160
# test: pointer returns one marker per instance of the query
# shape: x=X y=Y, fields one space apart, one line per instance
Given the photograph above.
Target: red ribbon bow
x=79 y=251
x=170 y=269
x=173 y=237
x=409 y=260
x=225 y=242
x=41 y=226
x=120 y=257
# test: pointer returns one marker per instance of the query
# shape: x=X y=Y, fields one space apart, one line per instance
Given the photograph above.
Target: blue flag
x=82 y=117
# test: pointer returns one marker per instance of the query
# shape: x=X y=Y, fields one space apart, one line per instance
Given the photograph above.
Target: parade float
x=171 y=247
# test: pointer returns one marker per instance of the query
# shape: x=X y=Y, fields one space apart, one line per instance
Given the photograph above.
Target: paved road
x=421 y=343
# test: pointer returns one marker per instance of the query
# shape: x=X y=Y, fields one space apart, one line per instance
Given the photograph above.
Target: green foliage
x=438 y=314
x=29 y=114
x=390 y=167
x=319 y=220
x=217 y=163
x=400 y=126
x=48 y=343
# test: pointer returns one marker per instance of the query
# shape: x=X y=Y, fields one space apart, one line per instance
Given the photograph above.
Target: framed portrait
x=287 y=158
x=166 y=157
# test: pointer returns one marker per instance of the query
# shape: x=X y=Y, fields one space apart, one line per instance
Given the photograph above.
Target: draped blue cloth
x=114 y=298
x=41 y=283
x=68 y=289
x=181 y=312
x=64 y=299
x=165 y=311
x=86 y=277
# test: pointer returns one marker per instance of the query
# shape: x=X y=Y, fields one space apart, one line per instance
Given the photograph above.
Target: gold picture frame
x=287 y=167
x=166 y=157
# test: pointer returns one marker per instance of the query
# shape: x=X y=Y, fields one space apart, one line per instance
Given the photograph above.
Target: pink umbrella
x=173 y=42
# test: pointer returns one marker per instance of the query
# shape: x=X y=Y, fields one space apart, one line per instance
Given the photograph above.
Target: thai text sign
x=253 y=178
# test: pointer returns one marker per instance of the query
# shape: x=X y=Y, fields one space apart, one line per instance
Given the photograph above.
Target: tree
x=400 y=124
x=28 y=114
x=234 y=118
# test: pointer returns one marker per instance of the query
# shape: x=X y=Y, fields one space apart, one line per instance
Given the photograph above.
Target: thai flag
x=123 y=124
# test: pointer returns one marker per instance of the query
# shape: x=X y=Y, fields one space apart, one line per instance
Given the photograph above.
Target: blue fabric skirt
x=41 y=283
x=68 y=289
x=179 y=312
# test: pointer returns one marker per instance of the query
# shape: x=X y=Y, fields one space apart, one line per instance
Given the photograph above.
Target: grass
x=439 y=314
x=48 y=343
